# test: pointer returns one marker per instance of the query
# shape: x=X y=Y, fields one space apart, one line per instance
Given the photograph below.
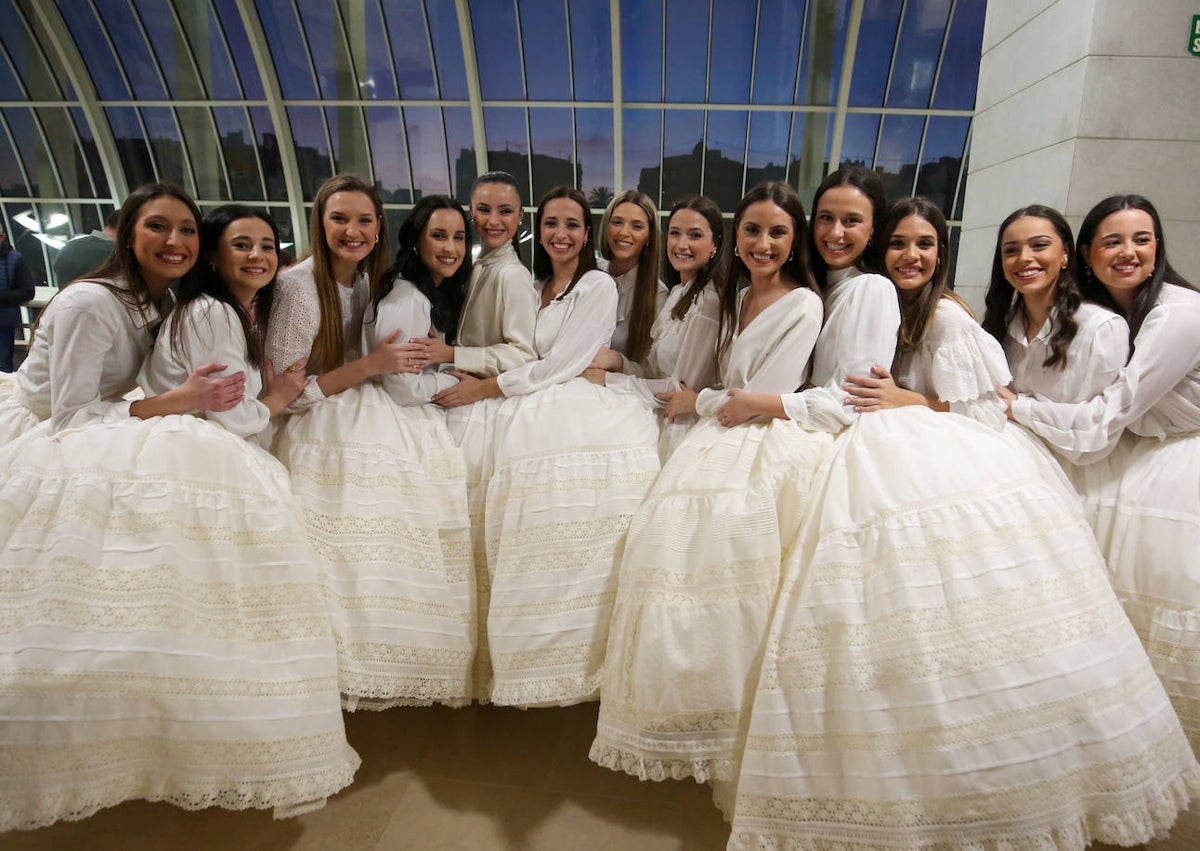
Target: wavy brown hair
x=713 y=269
x=645 y=291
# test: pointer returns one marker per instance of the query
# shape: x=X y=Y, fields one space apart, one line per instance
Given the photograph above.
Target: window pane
x=312 y=147
x=899 y=143
x=780 y=28
x=239 y=152
x=12 y=180
x=288 y=48
x=811 y=136
x=168 y=46
x=687 y=51
x=376 y=76
x=460 y=145
x=132 y=148
x=238 y=44
x=594 y=144
x=959 y=75
x=724 y=158
x=551 y=135
x=824 y=47
x=873 y=56
x=858 y=143
x=133 y=52
x=91 y=157
x=683 y=156
x=389 y=154
x=27 y=61
x=91 y=41
x=69 y=164
x=729 y=81
x=591 y=49
x=31 y=148
x=508 y=145
x=410 y=49
x=494 y=24
x=642 y=143
x=348 y=133
x=766 y=157
x=917 y=52
x=267 y=139
x=427 y=149
x=641 y=52
x=447 y=49
x=945 y=140
x=544 y=38
x=163 y=133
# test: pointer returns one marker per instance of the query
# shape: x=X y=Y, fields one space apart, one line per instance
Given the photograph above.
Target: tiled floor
x=479 y=778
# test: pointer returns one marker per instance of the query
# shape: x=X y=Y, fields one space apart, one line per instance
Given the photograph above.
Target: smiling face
x=912 y=254
x=496 y=213
x=564 y=231
x=1033 y=256
x=165 y=242
x=628 y=230
x=765 y=237
x=351 y=231
x=245 y=258
x=1122 y=253
x=842 y=226
x=690 y=243
x=443 y=244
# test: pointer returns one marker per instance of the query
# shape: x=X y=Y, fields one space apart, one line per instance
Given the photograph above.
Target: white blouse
x=495 y=331
x=210 y=331
x=1156 y=395
x=85 y=356
x=568 y=333
x=959 y=363
x=682 y=351
x=772 y=353
x=626 y=290
x=407 y=309
x=295 y=318
x=1095 y=356
x=862 y=318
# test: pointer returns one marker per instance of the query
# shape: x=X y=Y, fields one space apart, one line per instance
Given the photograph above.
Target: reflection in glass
x=873 y=58
x=917 y=55
x=942 y=160
x=896 y=160
x=959 y=75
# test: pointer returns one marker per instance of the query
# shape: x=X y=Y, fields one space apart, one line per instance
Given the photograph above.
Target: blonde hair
x=645 y=290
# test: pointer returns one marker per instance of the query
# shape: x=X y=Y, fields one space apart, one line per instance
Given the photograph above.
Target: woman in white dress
x=1152 y=547
x=700 y=568
x=572 y=463
x=1058 y=346
x=168 y=637
x=947 y=665
x=629 y=252
x=90 y=340
x=683 y=339
x=384 y=489
x=495 y=334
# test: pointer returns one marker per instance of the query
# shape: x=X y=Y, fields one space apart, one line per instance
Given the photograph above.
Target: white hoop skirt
x=384 y=495
x=1154 y=561
x=15 y=419
x=698 y=579
x=572 y=463
x=165 y=632
x=948 y=667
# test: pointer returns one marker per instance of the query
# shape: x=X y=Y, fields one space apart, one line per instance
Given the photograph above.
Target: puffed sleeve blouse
x=209 y=332
x=567 y=334
x=958 y=363
x=495 y=331
x=626 y=290
x=407 y=309
x=295 y=318
x=682 y=351
x=862 y=318
x=772 y=354
x=1095 y=356
x=86 y=355
x=1156 y=395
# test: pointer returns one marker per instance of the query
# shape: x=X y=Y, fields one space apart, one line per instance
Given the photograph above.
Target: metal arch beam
x=843 y=101
x=466 y=34
x=49 y=16
x=279 y=117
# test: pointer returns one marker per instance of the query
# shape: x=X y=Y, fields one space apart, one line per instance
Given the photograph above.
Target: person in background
x=84 y=253
x=16 y=288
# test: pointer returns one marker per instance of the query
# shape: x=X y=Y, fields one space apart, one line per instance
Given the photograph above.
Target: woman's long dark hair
x=797 y=266
x=1002 y=299
x=1147 y=294
x=446 y=299
x=542 y=267
x=713 y=268
x=917 y=311
x=645 y=289
x=209 y=282
x=868 y=183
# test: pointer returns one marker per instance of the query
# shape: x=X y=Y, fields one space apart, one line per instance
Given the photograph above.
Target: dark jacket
x=16 y=285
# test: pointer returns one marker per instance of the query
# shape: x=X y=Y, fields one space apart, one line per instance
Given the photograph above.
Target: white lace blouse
x=862 y=318
x=568 y=333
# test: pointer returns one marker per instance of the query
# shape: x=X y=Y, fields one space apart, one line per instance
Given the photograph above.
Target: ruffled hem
x=1147 y=820
x=644 y=768
x=547 y=692
x=289 y=795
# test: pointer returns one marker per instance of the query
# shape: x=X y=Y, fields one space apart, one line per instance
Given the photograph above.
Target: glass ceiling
x=261 y=100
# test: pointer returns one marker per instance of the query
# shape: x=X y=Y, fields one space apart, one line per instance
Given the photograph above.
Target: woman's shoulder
x=1175 y=297
x=1090 y=318
x=297 y=276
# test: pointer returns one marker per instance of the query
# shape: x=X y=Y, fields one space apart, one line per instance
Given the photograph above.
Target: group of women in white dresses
x=885 y=576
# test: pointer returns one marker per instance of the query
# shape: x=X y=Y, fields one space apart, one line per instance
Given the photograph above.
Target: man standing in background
x=85 y=252
x=16 y=288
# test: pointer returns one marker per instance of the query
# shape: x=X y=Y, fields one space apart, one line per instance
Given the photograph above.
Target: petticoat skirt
x=948 y=667
x=698 y=579
x=572 y=463
x=1154 y=561
x=165 y=633
x=383 y=490
x=15 y=419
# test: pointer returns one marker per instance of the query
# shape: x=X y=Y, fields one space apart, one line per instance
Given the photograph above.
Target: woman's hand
x=469 y=389
x=1007 y=396
x=879 y=391
x=607 y=359
x=740 y=408
x=596 y=376
x=429 y=351
x=202 y=393
x=392 y=358
x=285 y=386
x=680 y=402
